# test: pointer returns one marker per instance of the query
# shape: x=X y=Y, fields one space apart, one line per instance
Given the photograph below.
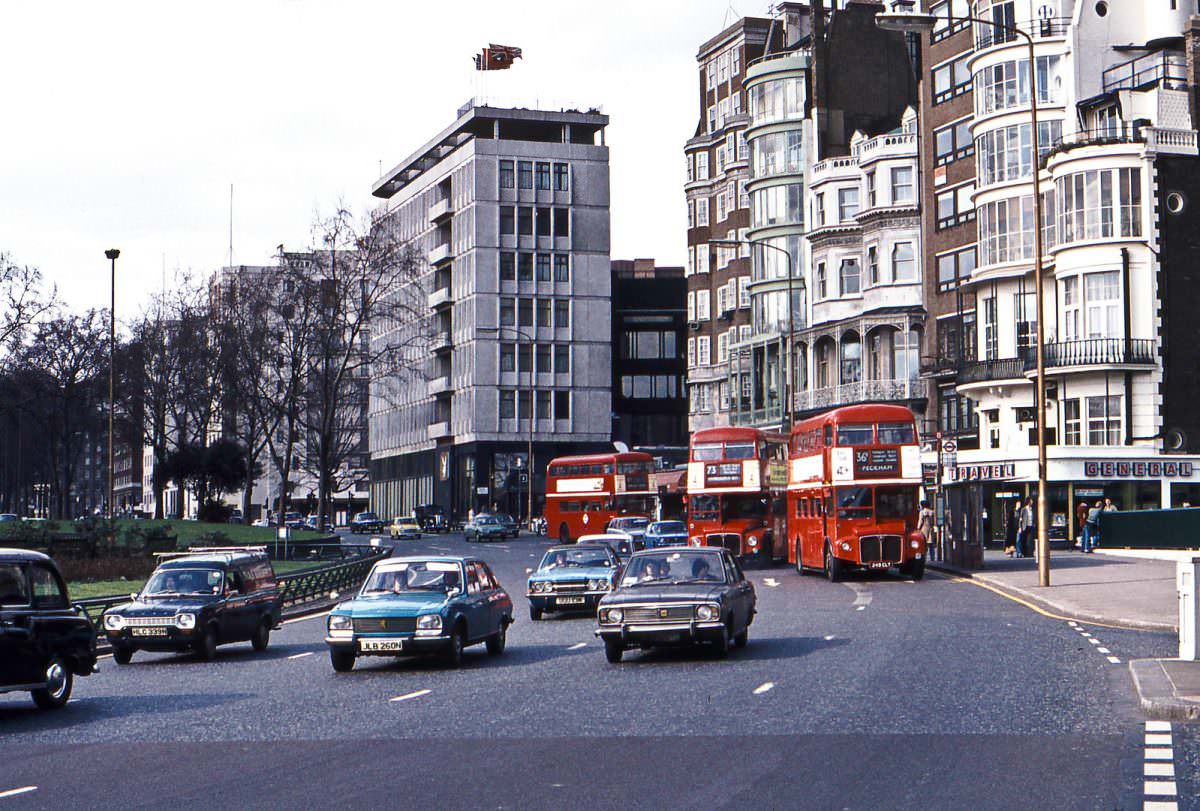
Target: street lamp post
x=111 y=254
x=912 y=22
x=532 y=415
x=788 y=410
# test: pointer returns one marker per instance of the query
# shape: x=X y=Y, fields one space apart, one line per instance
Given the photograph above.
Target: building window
x=953 y=142
x=743 y=292
x=1070 y=316
x=543 y=405
x=507 y=224
x=1005 y=153
x=508 y=266
x=1104 y=420
x=524 y=358
x=562 y=313
x=847 y=204
x=1006 y=230
x=544 y=312
x=851 y=371
x=543 y=176
x=704 y=350
x=1102 y=294
x=508 y=357
x=691 y=305
x=543 y=222
x=525 y=174
x=508 y=404
x=906 y=350
x=1072 y=433
x=691 y=352
x=543 y=267
x=525 y=267
x=1099 y=204
x=562 y=271
x=562 y=177
x=1005 y=85
x=562 y=359
x=952 y=17
x=904 y=263
x=562 y=225
x=818 y=210
x=508 y=312
x=702 y=166
x=562 y=405
x=525 y=312
x=822 y=284
x=872 y=265
x=902 y=185
x=991 y=341
x=723 y=347
x=702 y=305
x=525 y=221
x=691 y=213
x=952 y=79
x=506 y=174
x=955 y=268
x=871 y=189
x=850 y=277
x=702 y=211
x=543 y=359
x=1026 y=307
x=954 y=206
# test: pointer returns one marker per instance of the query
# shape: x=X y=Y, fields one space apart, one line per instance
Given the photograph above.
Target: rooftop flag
x=496 y=57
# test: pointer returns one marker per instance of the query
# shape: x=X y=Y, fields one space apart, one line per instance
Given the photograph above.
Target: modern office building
x=1116 y=87
x=509 y=209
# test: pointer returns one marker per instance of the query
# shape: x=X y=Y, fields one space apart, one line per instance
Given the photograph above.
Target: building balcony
x=834 y=168
x=440 y=210
x=441 y=343
x=439 y=430
x=1161 y=140
x=863 y=391
x=440 y=298
x=988 y=371
x=989 y=36
x=1085 y=354
x=895 y=145
x=438 y=386
x=441 y=253
x=1168 y=68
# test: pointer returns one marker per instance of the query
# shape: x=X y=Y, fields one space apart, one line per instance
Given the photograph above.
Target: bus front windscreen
x=854 y=502
x=743 y=506
x=895 y=502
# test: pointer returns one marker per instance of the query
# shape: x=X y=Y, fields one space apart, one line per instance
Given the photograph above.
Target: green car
x=421 y=605
x=485 y=528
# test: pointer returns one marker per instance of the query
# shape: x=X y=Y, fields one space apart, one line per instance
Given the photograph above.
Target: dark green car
x=485 y=528
x=421 y=605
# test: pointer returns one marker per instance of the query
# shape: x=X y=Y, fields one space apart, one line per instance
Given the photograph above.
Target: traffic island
x=1168 y=689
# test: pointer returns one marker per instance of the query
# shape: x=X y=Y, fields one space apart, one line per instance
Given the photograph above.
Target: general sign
x=876 y=462
x=723 y=473
x=974 y=473
x=1138 y=470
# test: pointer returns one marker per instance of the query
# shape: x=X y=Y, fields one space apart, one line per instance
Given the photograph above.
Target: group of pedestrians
x=1089 y=522
x=1022 y=527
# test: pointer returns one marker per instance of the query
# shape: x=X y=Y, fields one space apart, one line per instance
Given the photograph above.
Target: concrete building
x=510 y=209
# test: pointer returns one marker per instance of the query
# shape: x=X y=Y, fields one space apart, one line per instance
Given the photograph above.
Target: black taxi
x=196 y=601
x=44 y=641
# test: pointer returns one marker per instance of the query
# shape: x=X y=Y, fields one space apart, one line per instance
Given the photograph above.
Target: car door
x=498 y=602
x=475 y=605
x=54 y=625
x=17 y=660
x=743 y=594
x=236 y=613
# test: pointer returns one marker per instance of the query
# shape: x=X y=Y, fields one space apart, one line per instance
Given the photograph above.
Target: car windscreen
x=667 y=528
x=397 y=578
x=165 y=582
x=666 y=567
x=630 y=523
x=367 y=517
x=574 y=558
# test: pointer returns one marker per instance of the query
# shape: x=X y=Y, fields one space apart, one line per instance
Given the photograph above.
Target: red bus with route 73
x=854 y=478
x=584 y=493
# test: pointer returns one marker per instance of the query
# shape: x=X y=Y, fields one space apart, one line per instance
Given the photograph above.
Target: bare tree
x=22 y=302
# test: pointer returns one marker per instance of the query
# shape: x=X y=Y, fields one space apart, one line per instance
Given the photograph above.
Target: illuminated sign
x=723 y=473
x=876 y=462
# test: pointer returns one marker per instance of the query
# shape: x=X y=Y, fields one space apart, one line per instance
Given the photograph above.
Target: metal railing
x=987 y=34
x=1117 y=133
x=1146 y=70
x=1095 y=352
x=996 y=369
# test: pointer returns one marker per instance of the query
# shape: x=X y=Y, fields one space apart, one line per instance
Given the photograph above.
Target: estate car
x=366 y=522
x=572 y=578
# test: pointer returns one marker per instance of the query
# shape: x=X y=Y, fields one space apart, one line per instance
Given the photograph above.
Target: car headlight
x=340 y=622
x=707 y=613
x=752 y=542
x=614 y=615
x=114 y=622
x=595 y=585
x=185 y=621
x=429 y=622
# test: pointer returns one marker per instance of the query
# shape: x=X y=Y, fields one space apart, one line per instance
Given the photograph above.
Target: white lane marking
x=408 y=696
x=13 y=792
x=862 y=595
x=1073 y=624
x=1159 y=770
x=1103 y=650
x=1160 y=805
x=1160 y=753
x=1159 y=788
x=305 y=617
x=1085 y=634
x=528 y=570
x=501 y=548
x=578 y=646
x=765 y=687
x=1094 y=641
x=1158 y=726
x=1114 y=660
x=301 y=655
x=1155 y=739
x=829 y=638
x=770 y=582
x=861 y=608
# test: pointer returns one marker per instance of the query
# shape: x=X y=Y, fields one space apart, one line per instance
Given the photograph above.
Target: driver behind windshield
x=701 y=570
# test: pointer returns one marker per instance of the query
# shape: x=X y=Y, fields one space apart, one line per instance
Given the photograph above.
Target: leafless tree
x=22 y=302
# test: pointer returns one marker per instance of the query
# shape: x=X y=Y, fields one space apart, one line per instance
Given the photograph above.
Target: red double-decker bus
x=736 y=492
x=854 y=476
x=583 y=493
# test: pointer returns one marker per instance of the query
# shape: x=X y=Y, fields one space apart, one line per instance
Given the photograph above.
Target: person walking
x=925 y=526
x=1091 y=529
x=1024 y=528
x=1010 y=529
x=1081 y=514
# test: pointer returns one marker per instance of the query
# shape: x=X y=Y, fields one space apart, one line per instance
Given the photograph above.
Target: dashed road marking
x=770 y=582
x=829 y=638
x=1160 y=753
x=1094 y=641
x=1158 y=726
x=13 y=792
x=301 y=655
x=1103 y=650
x=765 y=687
x=408 y=696
x=578 y=646
x=1160 y=805
x=1159 y=770
x=1114 y=660
x=1159 y=788
x=861 y=608
x=1158 y=739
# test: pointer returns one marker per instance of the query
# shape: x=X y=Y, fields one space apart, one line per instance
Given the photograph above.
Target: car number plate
x=148 y=631
x=378 y=645
x=571 y=600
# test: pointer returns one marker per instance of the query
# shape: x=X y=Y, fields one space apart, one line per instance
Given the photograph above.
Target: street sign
x=483 y=491
x=523 y=478
x=949 y=446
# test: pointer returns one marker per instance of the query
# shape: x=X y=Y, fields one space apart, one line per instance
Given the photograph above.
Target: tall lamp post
x=917 y=23
x=788 y=410
x=111 y=254
x=532 y=414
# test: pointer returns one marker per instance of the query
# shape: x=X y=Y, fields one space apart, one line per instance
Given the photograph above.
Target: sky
x=126 y=123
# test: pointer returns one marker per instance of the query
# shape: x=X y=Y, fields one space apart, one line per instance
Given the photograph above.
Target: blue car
x=666 y=533
x=421 y=605
x=572 y=578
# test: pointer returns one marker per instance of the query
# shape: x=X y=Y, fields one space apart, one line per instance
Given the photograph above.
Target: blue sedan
x=572 y=578
x=666 y=533
x=421 y=605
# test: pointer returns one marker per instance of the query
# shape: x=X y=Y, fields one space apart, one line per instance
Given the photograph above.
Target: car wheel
x=720 y=647
x=122 y=655
x=342 y=660
x=535 y=613
x=207 y=649
x=496 y=642
x=833 y=566
x=742 y=639
x=613 y=651
x=564 y=534
x=262 y=636
x=454 y=652
x=57 y=692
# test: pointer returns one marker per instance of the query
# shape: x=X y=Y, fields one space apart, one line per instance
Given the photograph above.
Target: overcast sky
x=126 y=122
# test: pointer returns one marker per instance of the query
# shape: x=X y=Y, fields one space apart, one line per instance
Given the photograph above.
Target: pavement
x=1114 y=588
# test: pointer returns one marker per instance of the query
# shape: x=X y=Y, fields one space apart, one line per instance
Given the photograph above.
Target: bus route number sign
x=723 y=473
x=877 y=462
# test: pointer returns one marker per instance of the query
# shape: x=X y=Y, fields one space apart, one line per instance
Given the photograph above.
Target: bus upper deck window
x=739 y=450
x=896 y=433
x=855 y=435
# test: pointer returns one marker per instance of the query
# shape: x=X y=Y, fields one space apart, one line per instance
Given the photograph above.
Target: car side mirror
x=453 y=592
x=133 y=595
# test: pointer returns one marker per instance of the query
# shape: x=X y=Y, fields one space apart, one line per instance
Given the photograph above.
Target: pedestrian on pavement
x=1091 y=530
x=1024 y=529
x=1081 y=514
x=1013 y=534
x=1109 y=507
x=925 y=523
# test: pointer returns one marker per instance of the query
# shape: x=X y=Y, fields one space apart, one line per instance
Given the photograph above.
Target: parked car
x=666 y=533
x=44 y=641
x=431 y=517
x=621 y=544
x=678 y=596
x=196 y=601
x=572 y=578
x=511 y=527
x=405 y=526
x=485 y=528
x=632 y=525
x=366 y=522
x=235 y=517
x=421 y=605
x=6 y=517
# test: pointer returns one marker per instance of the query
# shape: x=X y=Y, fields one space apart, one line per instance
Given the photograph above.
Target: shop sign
x=723 y=473
x=1008 y=494
x=976 y=473
x=1089 y=492
x=876 y=462
x=1137 y=470
x=929 y=474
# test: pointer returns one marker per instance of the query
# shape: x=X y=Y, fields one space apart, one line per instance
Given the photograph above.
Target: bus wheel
x=564 y=534
x=799 y=563
x=914 y=569
x=833 y=566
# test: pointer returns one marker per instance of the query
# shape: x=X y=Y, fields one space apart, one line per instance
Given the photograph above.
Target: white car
x=620 y=543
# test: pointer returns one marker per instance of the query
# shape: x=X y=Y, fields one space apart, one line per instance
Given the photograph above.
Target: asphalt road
x=876 y=693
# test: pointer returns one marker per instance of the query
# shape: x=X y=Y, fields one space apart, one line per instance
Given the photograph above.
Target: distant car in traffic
x=405 y=526
x=511 y=527
x=431 y=517
x=366 y=522
x=6 y=517
x=196 y=601
x=421 y=605
x=44 y=642
x=678 y=596
x=621 y=544
x=665 y=533
x=572 y=578
x=632 y=525
x=485 y=528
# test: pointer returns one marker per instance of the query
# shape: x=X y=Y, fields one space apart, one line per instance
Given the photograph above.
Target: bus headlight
x=114 y=622
x=752 y=542
x=845 y=545
x=915 y=544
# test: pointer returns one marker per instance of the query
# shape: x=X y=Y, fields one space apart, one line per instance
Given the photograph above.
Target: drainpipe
x=1125 y=290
